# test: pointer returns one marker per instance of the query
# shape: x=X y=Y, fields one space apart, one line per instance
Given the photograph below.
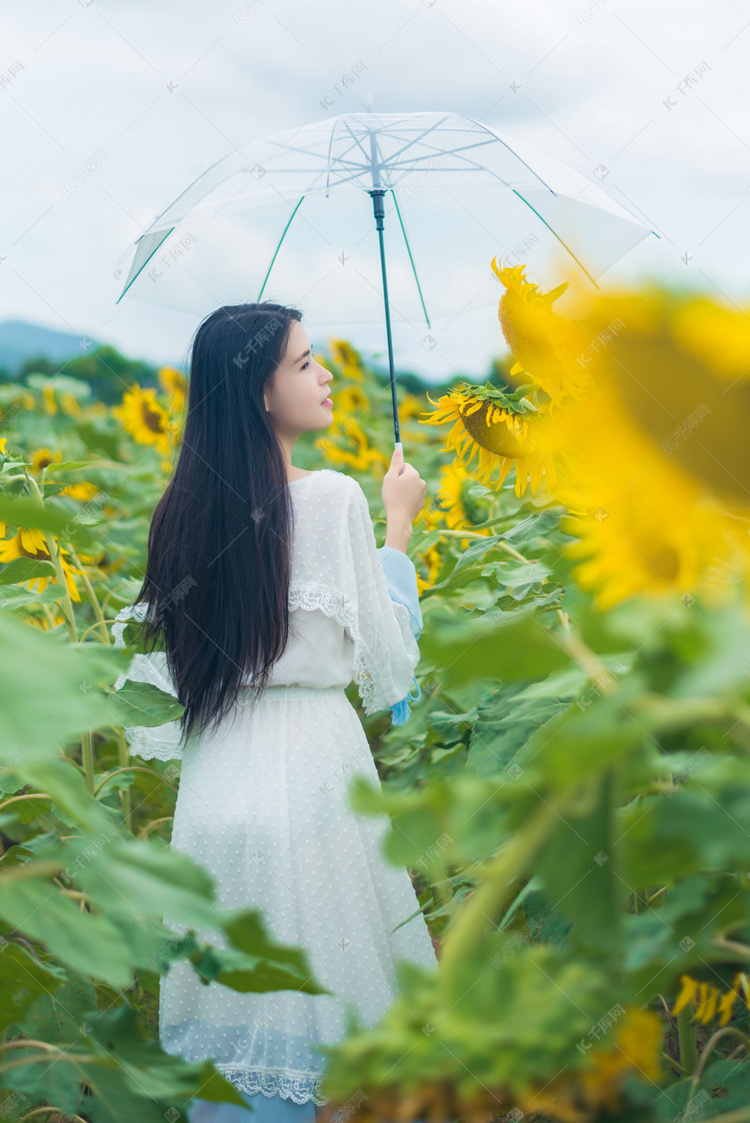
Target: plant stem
x=54 y=553
x=686 y=1035
x=92 y=595
x=499 y=881
x=711 y=1045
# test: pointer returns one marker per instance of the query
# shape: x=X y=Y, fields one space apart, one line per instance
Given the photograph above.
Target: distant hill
x=20 y=341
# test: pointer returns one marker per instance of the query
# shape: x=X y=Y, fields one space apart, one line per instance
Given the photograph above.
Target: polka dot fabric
x=263 y=806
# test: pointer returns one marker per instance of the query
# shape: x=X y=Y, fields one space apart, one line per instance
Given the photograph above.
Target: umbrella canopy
x=288 y=218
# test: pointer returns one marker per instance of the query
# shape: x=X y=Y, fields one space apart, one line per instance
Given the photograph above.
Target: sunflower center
x=151 y=420
x=501 y=437
x=35 y=555
x=665 y=562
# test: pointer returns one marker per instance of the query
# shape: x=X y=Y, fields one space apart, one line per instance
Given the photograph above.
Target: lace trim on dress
x=118 y=629
x=160 y=742
x=274 y=1082
x=340 y=608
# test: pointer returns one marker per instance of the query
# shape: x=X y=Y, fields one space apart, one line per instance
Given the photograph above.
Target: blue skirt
x=266 y=1109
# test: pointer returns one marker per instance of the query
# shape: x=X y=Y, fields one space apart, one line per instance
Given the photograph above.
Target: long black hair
x=219 y=545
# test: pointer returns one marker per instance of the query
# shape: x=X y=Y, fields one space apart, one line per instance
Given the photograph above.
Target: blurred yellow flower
x=576 y=1094
x=643 y=524
x=42 y=458
x=48 y=397
x=410 y=406
x=429 y=559
x=346 y=358
x=350 y=399
x=652 y=517
x=43 y=623
x=175 y=385
x=680 y=365
x=69 y=404
x=452 y=477
x=31 y=543
x=359 y=454
x=545 y=346
x=708 y=1000
x=82 y=490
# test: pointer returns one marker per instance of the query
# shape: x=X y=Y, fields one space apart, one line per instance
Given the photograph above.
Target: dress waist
x=291 y=690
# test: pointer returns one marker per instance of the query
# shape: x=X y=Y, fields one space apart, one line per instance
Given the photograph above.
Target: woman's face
x=296 y=392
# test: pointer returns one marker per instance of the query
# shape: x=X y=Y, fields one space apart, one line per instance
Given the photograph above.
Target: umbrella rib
x=411 y=259
x=281 y=239
x=359 y=145
x=415 y=140
x=156 y=247
x=562 y=243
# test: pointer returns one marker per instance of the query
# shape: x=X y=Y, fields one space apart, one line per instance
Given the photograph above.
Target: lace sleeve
x=385 y=648
x=162 y=742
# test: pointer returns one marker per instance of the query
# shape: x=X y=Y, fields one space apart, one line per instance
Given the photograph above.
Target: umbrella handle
x=398 y=445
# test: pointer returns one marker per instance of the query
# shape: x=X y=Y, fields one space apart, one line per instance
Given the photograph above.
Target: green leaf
x=89 y=944
x=46 y=688
x=519 y=649
x=23 y=569
x=247 y=973
x=23 y=979
x=578 y=864
x=142 y=703
x=510 y=714
x=146 y=878
x=56 y=1016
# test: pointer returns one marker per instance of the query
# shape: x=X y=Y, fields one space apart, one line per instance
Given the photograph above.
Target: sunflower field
x=571 y=793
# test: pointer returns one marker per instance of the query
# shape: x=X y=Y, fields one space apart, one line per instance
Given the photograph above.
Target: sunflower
x=145 y=419
x=500 y=426
x=31 y=543
x=546 y=347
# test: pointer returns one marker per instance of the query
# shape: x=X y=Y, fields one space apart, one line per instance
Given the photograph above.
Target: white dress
x=263 y=806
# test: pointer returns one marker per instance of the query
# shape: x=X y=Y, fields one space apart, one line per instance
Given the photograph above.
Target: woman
x=269 y=593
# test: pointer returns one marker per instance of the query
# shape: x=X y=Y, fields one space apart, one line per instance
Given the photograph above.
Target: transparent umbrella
x=285 y=218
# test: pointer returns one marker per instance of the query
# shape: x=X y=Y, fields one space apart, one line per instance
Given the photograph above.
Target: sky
x=110 y=111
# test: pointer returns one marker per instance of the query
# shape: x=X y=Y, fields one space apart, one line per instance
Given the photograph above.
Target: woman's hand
x=404 y=493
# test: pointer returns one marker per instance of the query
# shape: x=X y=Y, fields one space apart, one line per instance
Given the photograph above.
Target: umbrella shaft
x=379 y=210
